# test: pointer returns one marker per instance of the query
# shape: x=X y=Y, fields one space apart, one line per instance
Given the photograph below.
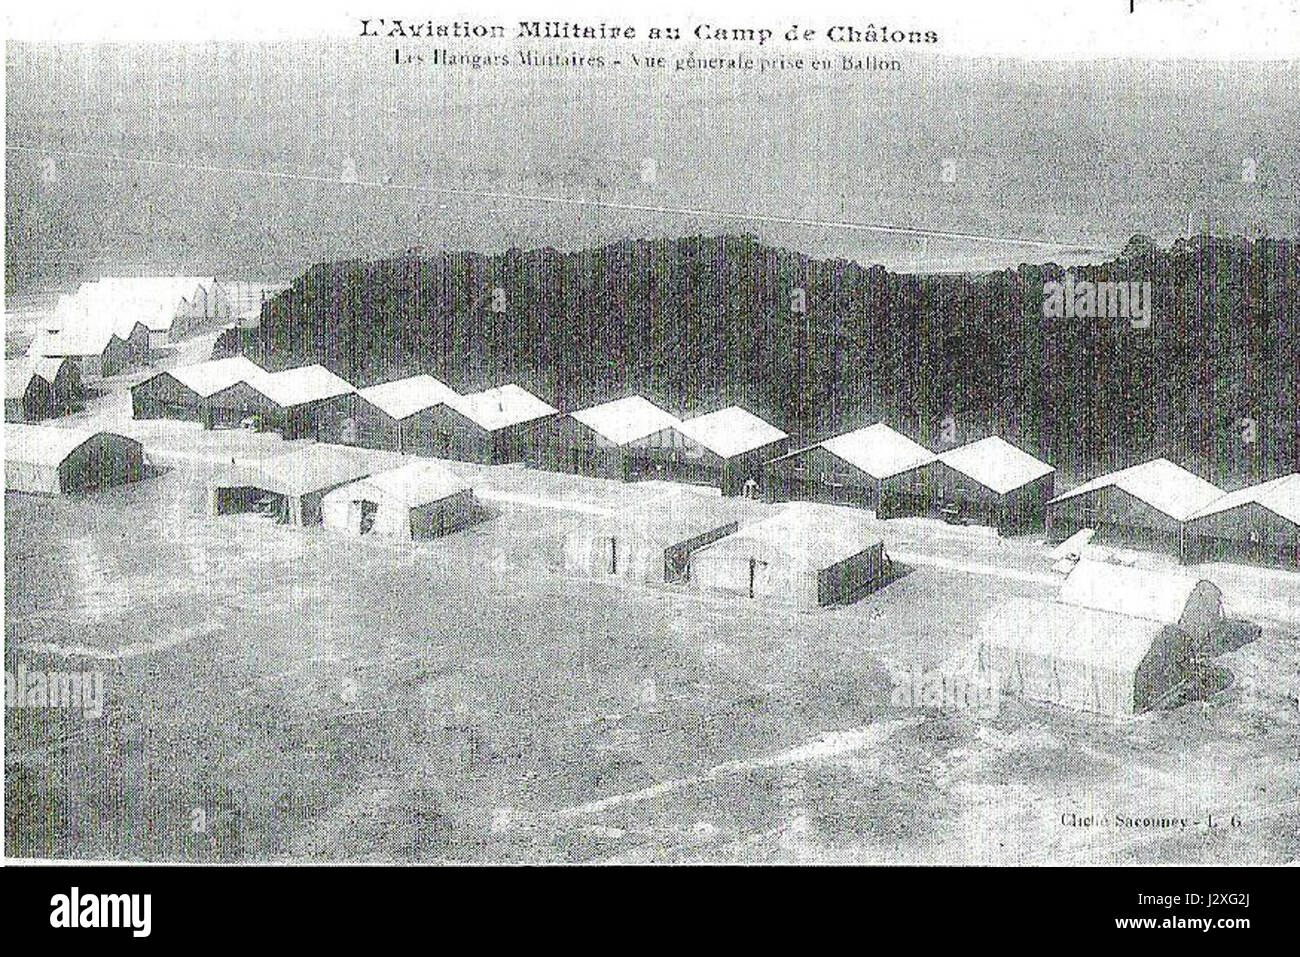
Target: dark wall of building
x=372 y=428
x=1248 y=534
x=1165 y=667
x=852 y=577
x=566 y=445
x=229 y=407
x=164 y=397
x=35 y=404
x=329 y=420
x=101 y=462
x=1021 y=509
x=1119 y=519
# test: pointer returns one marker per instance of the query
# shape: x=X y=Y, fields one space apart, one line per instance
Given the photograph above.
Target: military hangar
x=652 y=542
x=805 y=556
x=287 y=488
x=418 y=500
x=52 y=461
x=872 y=467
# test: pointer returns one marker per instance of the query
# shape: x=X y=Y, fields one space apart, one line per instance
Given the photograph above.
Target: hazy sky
x=252 y=148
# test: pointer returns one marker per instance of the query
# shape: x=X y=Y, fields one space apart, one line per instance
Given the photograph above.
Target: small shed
x=418 y=500
x=1146 y=506
x=873 y=467
x=806 y=556
x=652 y=542
x=1258 y=525
x=51 y=461
x=1169 y=597
x=1080 y=658
x=287 y=488
x=992 y=482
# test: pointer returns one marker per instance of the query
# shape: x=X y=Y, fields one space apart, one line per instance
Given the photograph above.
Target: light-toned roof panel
x=731 y=431
x=302 y=385
x=311 y=469
x=413 y=484
x=403 y=398
x=211 y=377
x=47 y=444
x=1154 y=595
x=1164 y=486
x=814 y=535
x=501 y=407
x=879 y=451
x=1280 y=496
x=996 y=464
x=1053 y=630
x=626 y=420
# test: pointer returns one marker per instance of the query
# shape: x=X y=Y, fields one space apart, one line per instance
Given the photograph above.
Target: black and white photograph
x=699 y=434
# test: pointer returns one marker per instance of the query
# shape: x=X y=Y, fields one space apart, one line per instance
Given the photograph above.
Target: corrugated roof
x=1137 y=592
x=1100 y=639
x=413 y=484
x=503 y=406
x=47 y=444
x=996 y=464
x=879 y=451
x=315 y=468
x=1164 y=486
x=731 y=431
x=209 y=378
x=1280 y=496
x=302 y=385
x=814 y=535
x=626 y=420
x=403 y=398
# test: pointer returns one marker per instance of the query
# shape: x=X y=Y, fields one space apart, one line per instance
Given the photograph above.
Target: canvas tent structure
x=287 y=488
x=492 y=427
x=652 y=542
x=1146 y=506
x=872 y=467
x=1080 y=658
x=418 y=500
x=1176 y=598
x=726 y=449
x=47 y=460
x=185 y=393
x=1255 y=525
x=395 y=415
x=38 y=388
x=993 y=483
x=806 y=556
x=599 y=441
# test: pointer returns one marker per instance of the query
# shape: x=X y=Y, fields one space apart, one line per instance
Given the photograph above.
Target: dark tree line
x=700 y=322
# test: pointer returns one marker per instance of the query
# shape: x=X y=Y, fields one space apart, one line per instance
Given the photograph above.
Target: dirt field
x=287 y=694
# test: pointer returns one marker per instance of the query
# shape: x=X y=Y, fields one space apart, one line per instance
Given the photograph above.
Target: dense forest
x=700 y=322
